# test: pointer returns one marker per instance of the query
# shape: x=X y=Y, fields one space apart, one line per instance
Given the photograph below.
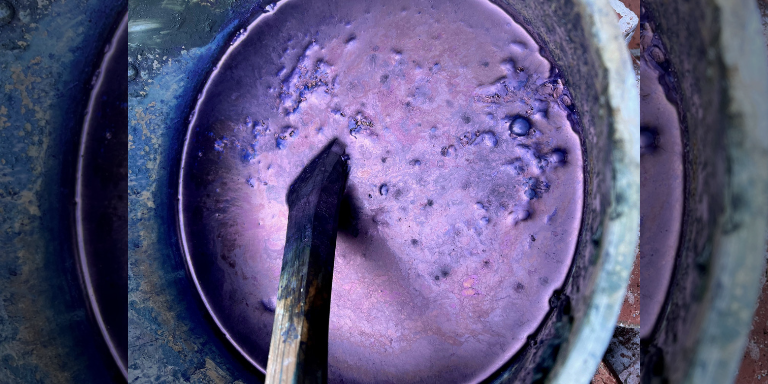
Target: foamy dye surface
x=464 y=197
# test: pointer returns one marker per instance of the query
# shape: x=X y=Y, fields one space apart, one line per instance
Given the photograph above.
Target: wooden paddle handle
x=298 y=351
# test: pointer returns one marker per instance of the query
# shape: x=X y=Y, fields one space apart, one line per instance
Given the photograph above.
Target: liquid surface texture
x=464 y=197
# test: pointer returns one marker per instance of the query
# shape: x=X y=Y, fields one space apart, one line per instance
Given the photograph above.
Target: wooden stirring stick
x=298 y=351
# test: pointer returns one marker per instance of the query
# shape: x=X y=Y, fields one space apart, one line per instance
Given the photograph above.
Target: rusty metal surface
x=49 y=52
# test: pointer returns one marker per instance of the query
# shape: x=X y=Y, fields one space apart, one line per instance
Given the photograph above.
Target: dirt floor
x=754 y=367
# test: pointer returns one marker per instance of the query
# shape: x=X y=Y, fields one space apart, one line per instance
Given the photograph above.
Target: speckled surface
x=170 y=338
x=48 y=53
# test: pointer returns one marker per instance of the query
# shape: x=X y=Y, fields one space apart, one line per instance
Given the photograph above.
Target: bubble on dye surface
x=649 y=138
x=383 y=190
x=519 y=126
x=558 y=156
x=530 y=193
x=487 y=138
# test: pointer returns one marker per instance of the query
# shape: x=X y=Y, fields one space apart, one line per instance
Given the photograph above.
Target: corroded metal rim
x=738 y=258
x=82 y=254
x=589 y=338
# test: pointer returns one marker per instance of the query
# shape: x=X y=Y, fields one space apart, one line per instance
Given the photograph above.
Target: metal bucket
x=169 y=332
x=568 y=345
x=718 y=73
